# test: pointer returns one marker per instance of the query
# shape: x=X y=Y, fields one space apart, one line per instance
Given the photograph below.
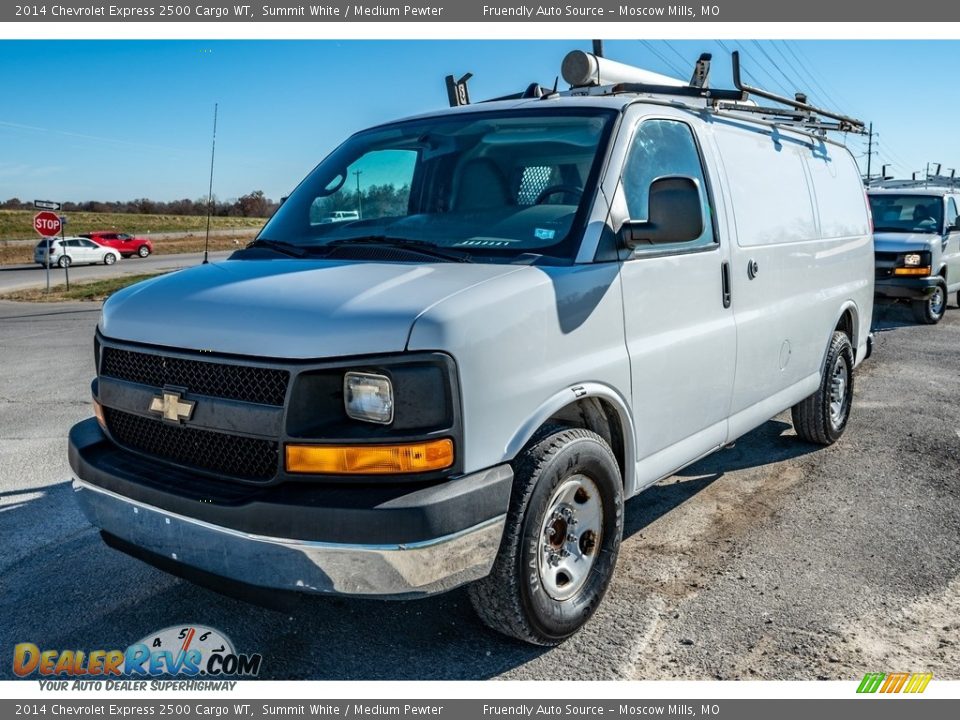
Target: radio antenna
x=213 y=150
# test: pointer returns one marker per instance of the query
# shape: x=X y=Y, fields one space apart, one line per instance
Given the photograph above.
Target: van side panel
x=768 y=186
x=843 y=214
x=790 y=280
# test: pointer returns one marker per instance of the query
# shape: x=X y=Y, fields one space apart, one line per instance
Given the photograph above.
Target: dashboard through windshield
x=475 y=184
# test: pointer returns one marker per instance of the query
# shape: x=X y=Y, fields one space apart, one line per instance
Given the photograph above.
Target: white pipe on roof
x=581 y=69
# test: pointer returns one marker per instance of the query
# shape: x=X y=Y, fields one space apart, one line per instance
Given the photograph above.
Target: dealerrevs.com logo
x=191 y=651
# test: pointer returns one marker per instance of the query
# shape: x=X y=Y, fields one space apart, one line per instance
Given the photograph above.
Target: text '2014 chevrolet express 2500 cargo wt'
x=546 y=304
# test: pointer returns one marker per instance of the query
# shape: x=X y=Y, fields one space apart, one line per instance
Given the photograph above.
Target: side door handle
x=725 y=283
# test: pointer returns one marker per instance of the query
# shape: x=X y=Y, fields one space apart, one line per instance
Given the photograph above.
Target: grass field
x=92 y=290
x=18 y=224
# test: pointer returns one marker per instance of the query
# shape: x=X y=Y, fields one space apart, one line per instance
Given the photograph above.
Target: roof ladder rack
x=803 y=113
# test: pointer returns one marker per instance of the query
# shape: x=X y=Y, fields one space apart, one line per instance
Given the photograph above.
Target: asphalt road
x=214 y=232
x=773 y=559
x=24 y=277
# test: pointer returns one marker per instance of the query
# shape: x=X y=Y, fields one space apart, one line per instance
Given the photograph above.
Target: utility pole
x=213 y=150
x=359 y=198
x=869 y=153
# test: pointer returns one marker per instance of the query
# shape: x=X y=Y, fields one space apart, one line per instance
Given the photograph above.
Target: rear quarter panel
x=800 y=213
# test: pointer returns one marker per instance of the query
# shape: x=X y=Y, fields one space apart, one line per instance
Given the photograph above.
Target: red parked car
x=127 y=245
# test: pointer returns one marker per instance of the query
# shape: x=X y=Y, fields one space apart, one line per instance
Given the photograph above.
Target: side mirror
x=675 y=214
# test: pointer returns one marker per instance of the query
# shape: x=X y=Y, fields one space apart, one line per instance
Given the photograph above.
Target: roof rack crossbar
x=683 y=90
x=846 y=123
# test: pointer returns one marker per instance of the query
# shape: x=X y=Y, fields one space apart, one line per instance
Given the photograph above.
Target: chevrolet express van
x=550 y=303
x=917 y=245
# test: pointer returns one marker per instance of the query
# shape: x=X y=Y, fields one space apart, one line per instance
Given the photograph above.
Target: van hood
x=294 y=309
x=902 y=242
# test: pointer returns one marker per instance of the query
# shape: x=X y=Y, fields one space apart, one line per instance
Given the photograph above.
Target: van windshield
x=906 y=213
x=480 y=184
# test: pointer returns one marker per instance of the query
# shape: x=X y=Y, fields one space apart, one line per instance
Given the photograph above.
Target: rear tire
x=64 y=261
x=143 y=251
x=823 y=416
x=930 y=310
x=561 y=540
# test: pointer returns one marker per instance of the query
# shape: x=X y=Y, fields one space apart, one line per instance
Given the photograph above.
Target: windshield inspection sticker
x=544 y=234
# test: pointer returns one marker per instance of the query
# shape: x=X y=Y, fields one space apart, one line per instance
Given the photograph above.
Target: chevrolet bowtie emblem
x=171 y=406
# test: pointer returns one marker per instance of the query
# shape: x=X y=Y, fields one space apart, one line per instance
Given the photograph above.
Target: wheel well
x=599 y=416
x=847 y=325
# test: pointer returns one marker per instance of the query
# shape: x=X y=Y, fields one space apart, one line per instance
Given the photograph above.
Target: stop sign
x=46 y=223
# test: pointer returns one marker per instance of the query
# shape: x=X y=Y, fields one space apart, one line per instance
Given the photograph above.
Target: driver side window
x=661 y=148
x=951 y=213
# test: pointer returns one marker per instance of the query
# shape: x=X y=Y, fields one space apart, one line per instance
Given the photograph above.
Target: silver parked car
x=73 y=251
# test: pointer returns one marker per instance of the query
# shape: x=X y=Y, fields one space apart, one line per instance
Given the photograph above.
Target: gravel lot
x=772 y=559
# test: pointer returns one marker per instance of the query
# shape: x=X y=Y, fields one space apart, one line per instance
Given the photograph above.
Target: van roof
x=597 y=82
x=914 y=191
x=614 y=101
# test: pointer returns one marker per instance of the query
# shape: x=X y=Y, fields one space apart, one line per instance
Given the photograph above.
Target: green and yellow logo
x=895 y=682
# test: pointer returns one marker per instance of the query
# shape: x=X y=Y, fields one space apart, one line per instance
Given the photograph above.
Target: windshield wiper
x=418 y=246
x=279 y=246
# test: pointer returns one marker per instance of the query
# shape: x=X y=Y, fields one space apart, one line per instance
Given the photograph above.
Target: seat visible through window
x=481 y=185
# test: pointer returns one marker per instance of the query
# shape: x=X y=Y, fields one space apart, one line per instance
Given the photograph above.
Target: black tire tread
x=920 y=309
x=809 y=420
x=496 y=598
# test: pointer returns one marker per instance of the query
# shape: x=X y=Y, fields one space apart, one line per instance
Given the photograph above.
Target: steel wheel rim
x=570 y=537
x=839 y=381
x=937 y=302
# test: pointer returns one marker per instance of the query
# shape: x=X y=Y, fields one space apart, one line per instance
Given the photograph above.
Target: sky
x=119 y=120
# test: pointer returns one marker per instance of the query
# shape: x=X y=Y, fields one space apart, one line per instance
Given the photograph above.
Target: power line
x=676 y=52
x=663 y=59
x=761 y=66
x=813 y=79
x=749 y=75
x=803 y=79
x=777 y=67
x=801 y=58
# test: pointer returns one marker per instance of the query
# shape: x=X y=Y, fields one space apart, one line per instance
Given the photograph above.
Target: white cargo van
x=556 y=300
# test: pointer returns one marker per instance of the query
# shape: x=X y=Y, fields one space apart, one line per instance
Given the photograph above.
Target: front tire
x=823 y=416
x=109 y=259
x=561 y=540
x=930 y=310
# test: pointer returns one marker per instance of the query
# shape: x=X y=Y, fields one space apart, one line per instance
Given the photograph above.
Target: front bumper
x=906 y=288
x=443 y=536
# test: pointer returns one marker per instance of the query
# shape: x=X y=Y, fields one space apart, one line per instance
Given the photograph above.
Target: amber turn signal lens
x=923 y=271
x=98 y=411
x=370 y=459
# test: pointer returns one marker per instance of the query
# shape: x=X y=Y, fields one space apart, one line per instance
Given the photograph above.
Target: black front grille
x=885 y=262
x=231 y=455
x=266 y=386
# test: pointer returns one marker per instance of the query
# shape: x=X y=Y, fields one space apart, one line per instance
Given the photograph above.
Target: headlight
x=368 y=397
x=911 y=259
